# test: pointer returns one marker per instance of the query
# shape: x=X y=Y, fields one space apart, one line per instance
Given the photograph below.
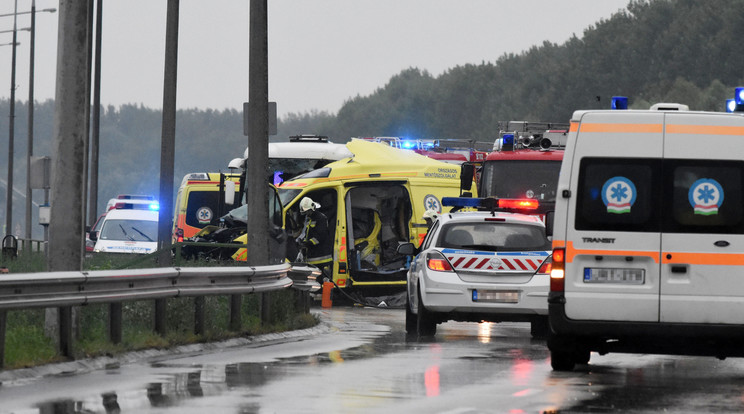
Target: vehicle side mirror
x=549 y=220
x=467 y=172
x=229 y=192
x=406 y=249
x=93 y=235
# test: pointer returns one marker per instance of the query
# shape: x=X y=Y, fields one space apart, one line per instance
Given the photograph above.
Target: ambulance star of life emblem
x=495 y=263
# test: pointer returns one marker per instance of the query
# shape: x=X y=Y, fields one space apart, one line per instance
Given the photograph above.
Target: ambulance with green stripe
x=648 y=235
x=374 y=201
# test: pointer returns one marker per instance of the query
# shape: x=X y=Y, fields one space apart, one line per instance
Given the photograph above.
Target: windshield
x=493 y=236
x=520 y=179
x=284 y=169
x=130 y=230
x=287 y=195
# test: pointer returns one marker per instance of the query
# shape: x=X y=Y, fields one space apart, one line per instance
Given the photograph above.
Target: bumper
x=444 y=292
x=717 y=340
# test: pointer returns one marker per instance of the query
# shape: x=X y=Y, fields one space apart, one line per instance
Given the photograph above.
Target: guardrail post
x=3 y=319
x=265 y=308
x=160 y=305
x=65 y=331
x=235 y=319
x=115 y=322
x=199 y=305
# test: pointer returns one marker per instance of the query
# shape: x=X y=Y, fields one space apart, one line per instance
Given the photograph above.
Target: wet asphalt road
x=359 y=360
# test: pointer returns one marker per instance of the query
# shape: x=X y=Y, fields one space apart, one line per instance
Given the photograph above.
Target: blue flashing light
x=739 y=95
x=619 y=102
x=278 y=177
x=508 y=139
x=154 y=207
x=408 y=144
x=730 y=105
x=461 y=202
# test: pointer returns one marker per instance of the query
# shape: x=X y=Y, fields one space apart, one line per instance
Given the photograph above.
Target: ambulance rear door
x=702 y=277
x=613 y=229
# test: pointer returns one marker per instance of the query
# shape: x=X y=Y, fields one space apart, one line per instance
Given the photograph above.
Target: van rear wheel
x=562 y=360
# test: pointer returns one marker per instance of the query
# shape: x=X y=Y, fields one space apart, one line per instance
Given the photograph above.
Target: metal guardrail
x=53 y=289
x=67 y=289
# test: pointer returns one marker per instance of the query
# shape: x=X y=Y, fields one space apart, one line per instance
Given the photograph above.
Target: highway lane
x=359 y=360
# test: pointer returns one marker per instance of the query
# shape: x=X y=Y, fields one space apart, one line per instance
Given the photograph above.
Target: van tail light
x=437 y=261
x=179 y=235
x=557 y=270
x=546 y=266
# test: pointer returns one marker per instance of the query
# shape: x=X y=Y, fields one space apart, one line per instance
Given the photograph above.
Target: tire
x=562 y=360
x=540 y=327
x=411 y=321
x=426 y=325
x=582 y=356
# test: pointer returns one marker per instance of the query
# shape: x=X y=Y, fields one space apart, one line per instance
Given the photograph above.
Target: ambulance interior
x=378 y=216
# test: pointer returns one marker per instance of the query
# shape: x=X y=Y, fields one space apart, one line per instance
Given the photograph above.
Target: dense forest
x=653 y=51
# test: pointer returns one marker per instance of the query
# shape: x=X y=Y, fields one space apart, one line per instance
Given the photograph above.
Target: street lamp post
x=11 y=137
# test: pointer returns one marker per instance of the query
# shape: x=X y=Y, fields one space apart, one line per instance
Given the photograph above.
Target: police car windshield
x=520 y=179
x=130 y=230
x=493 y=236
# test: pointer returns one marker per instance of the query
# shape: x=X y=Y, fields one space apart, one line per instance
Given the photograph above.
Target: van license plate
x=614 y=275
x=496 y=296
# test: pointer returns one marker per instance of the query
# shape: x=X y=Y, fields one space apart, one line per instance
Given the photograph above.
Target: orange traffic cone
x=326 y=300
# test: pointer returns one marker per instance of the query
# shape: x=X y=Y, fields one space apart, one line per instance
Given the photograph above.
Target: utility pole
x=11 y=123
x=66 y=215
x=258 y=142
x=167 y=151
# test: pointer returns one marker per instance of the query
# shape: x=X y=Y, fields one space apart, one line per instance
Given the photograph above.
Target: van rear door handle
x=721 y=243
x=679 y=269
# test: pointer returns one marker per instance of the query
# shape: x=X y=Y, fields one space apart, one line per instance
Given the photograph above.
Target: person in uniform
x=314 y=242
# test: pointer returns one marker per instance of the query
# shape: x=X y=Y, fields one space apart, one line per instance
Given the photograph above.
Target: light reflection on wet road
x=362 y=362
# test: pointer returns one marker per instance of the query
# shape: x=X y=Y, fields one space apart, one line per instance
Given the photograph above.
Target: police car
x=480 y=266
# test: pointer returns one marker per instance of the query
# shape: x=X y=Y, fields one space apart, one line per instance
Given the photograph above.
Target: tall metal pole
x=93 y=198
x=167 y=150
x=30 y=127
x=258 y=141
x=9 y=198
x=66 y=222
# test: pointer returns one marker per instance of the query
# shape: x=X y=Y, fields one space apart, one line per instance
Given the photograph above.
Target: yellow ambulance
x=374 y=201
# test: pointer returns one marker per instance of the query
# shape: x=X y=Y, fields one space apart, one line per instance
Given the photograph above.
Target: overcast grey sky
x=321 y=52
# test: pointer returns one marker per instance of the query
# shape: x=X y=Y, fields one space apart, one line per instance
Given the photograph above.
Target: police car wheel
x=411 y=321
x=539 y=327
x=562 y=360
x=426 y=325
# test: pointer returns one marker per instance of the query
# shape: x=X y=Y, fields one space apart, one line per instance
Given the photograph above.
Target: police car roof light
x=491 y=203
x=739 y=95
x=518 y=203
x=619 y=102
x=730 y=105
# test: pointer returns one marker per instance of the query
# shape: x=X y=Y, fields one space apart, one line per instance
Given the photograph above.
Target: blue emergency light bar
x=491 y=203
x=619 y=102
x=736 y=104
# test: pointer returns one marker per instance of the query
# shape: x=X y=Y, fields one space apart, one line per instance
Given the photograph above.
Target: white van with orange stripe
x=648 y=235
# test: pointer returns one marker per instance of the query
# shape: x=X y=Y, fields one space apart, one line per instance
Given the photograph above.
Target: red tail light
x=546 y=266
x=557 y=271
x=179 y=235
x=436 y=261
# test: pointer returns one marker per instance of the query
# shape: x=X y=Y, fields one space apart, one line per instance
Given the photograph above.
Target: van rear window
x=619 y=194
x=704 y=196
x=651 y=195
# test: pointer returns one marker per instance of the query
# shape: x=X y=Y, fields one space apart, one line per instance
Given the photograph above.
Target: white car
x=479 y=266
x=130 y=228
